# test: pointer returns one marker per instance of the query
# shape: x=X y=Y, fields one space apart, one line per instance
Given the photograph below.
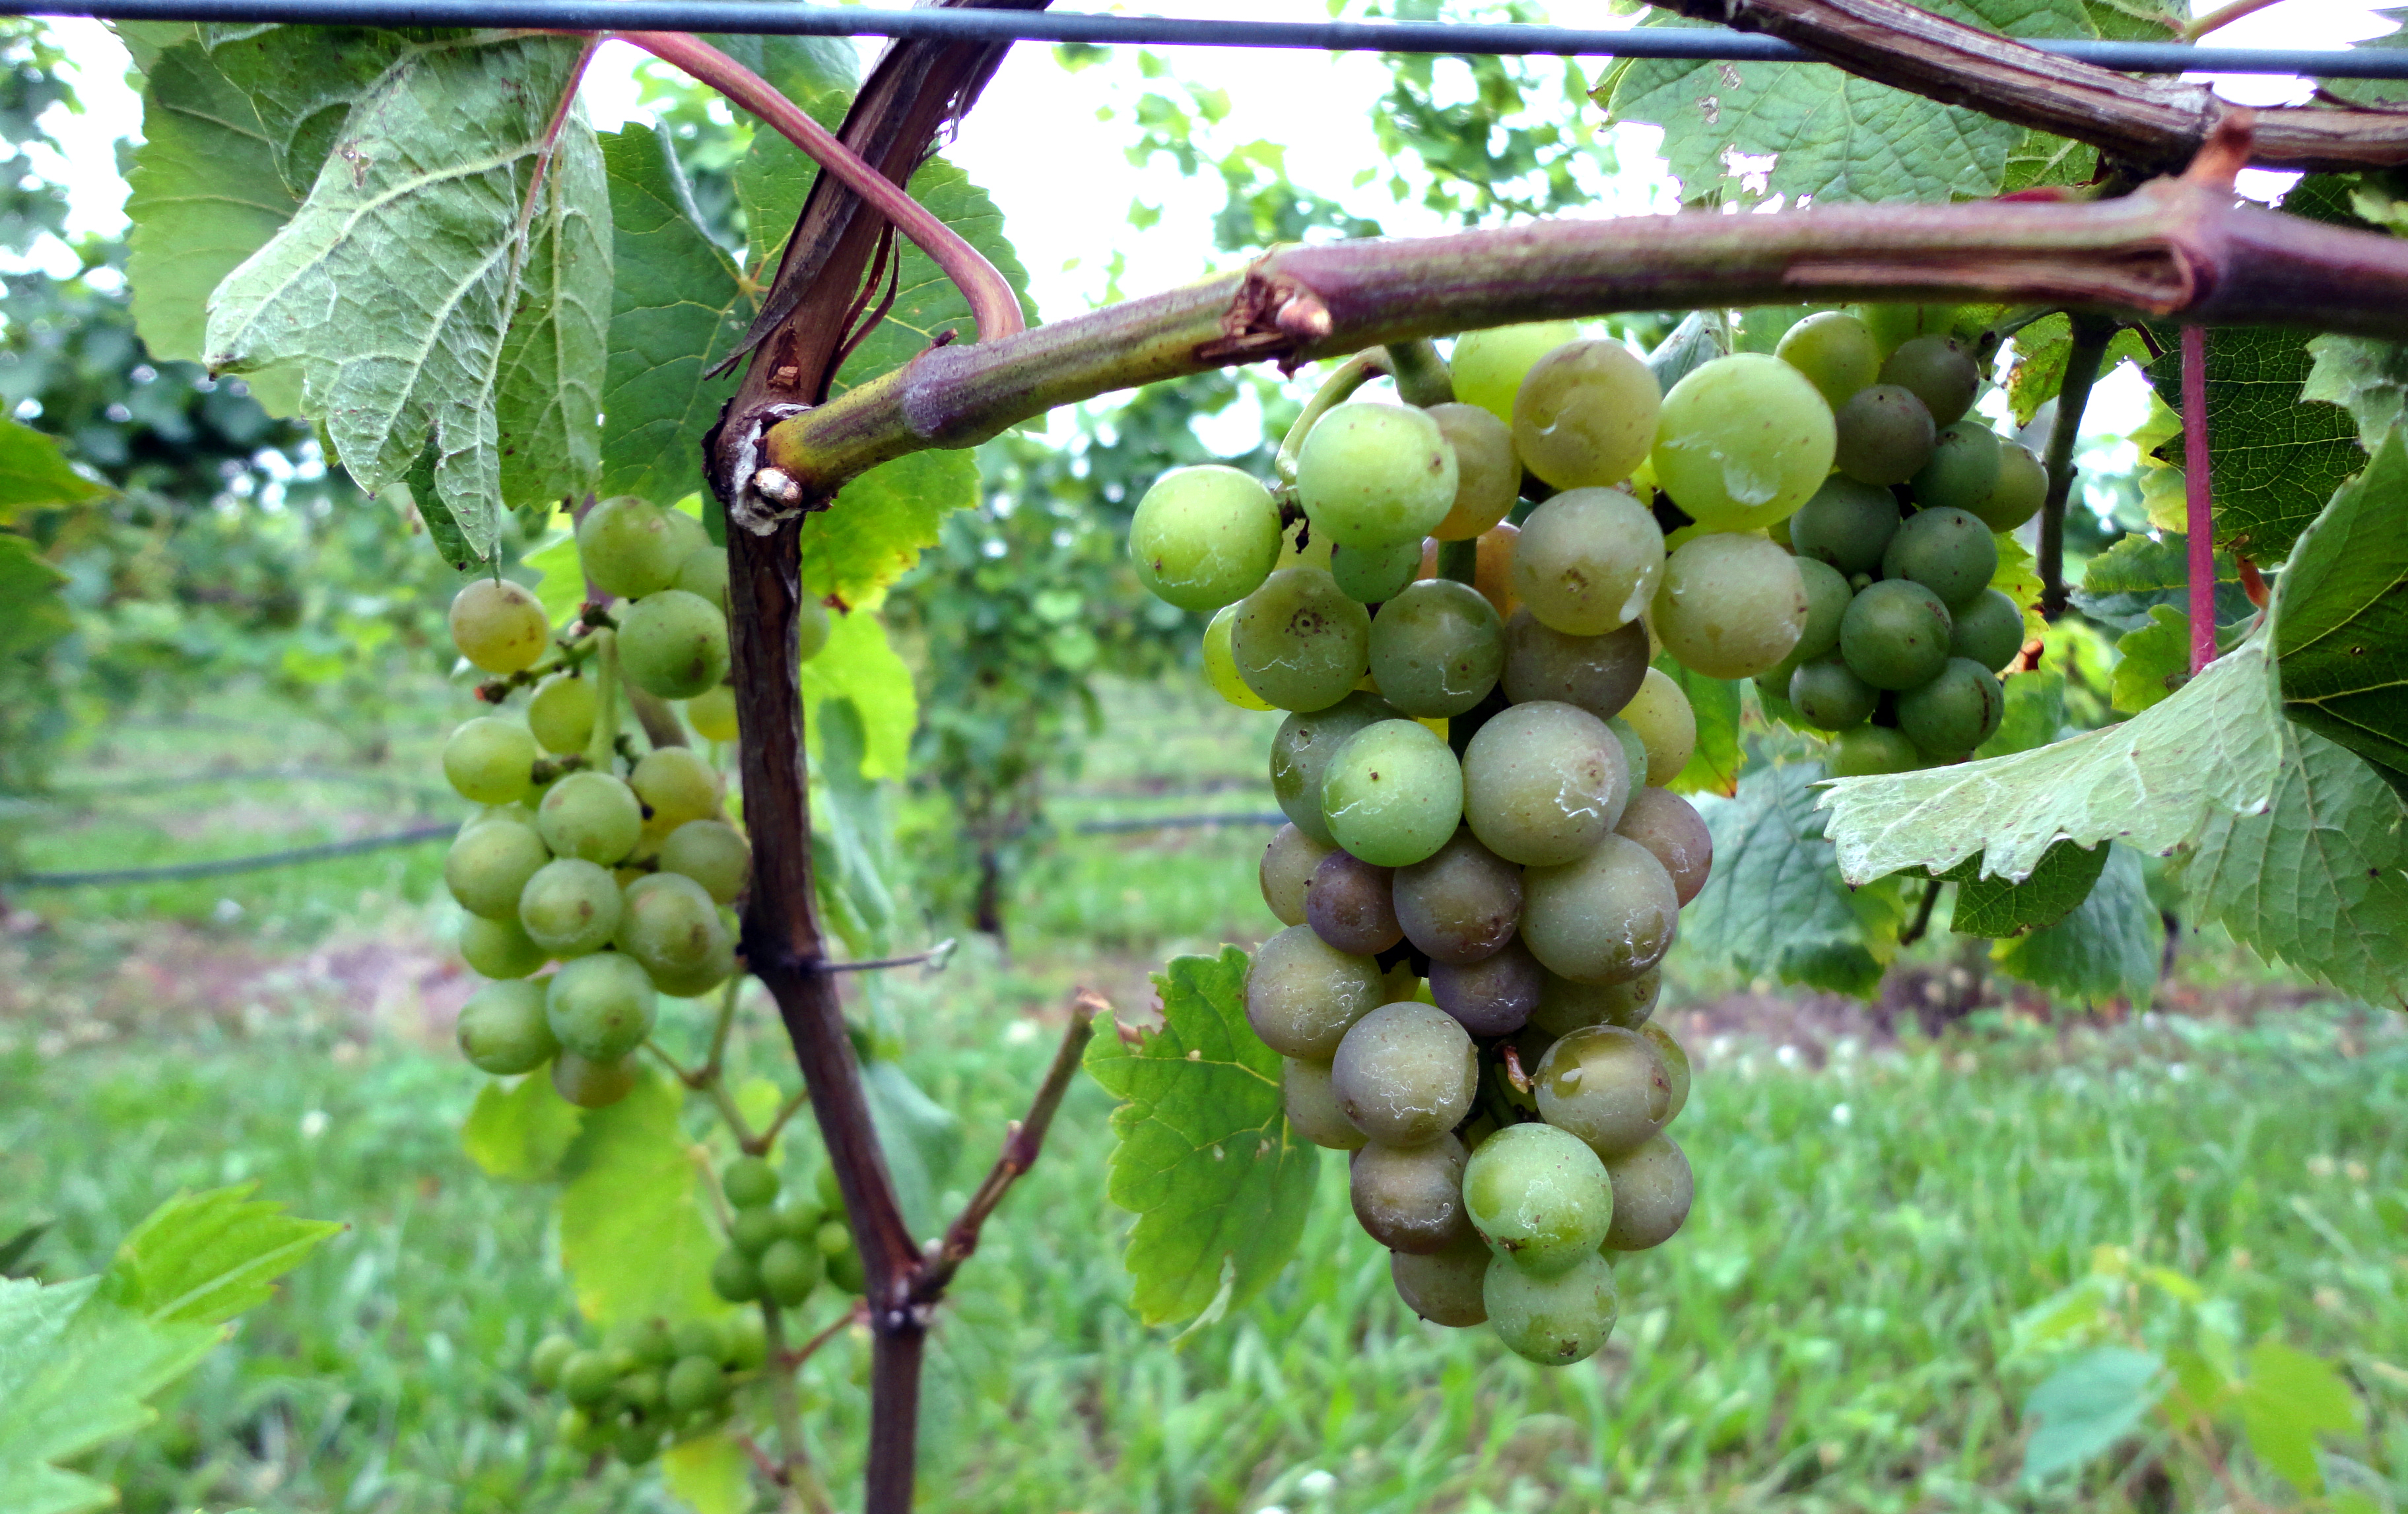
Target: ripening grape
x=668 y=921
x=1669 y=827
x=1487 y=475
x=1405 y=1074
x=1303 y=994
x=570 y=907
x=1444 y=1287
x=590 y=815
x=1393 y=794
x=1743 y=441
x=752 y=1231
x=1676 y=1066
x=710 y=852
x=1540 y=1198
x=1950 y=552
x=1410 y=1199
x=1835 y=350
x=1458 y=905
x=499 y=626
x=1287 y=872
x=1436 y=649
x=693 y=1384
x=491 y=760
x=1652 y=1193
x=750 y=1183
x=587 y=1377
x=812 y=628
x=1300 y=642
x=589 y=1084
x=562 y=711
x=734 y=1277
x=1659 y=712
x=1882 y=434
x=1963 y=469
x=1871 y=750
x=1895 y=635
x=1564 y=1006
x=1894 y=325
x=1829 y=697
x=711 y=713
x=703 y=573
x=1556 y=1321
x=1300 y=753
x=1493 y=996
x=601 y=1007
x=1543 y=784
x=1492 y=571
x=627 y=546
x=1489 y=367
x=790 y=1270
x=2021 y=490
x=692 y=982
x=1584 y=414
x=1827 y=603
x=1221 y=665
x=1634 y=750
x=488 y=865
x=1730 y=606
x=1587 y=560
x=502 y=1030
x=1312 y=1106
x=1846 y=524
x=1370 y=475
x=1375 y=575
x=1940 y=373
x=1605 y=1085
x=1956 y=711
x=500 y=947
x=1204 y=537
x=1988 y=628
x=675 y=786
x=1599 y=673
x=549 y=1355
x=1605 y=919
x=687 y=534
x=1349 y=904
x=673 y=644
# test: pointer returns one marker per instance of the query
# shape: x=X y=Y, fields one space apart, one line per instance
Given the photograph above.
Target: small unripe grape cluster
x=778 y=1251
x=649 y=1384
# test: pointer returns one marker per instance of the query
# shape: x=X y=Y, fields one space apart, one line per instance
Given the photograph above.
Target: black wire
x=758 y=17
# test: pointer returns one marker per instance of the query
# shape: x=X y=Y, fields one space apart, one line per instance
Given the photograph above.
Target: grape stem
x=1422 y=376
x=854 y=1315
x=937 y=956
x=1920 y=924
x=1514 y=1073
x=2088 y=350
x=794 y=1462
x=603 y=747
x=1349 y=376
x=2199 y=515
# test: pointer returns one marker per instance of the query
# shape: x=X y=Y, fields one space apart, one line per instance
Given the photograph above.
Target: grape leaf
x=1205 y=1159
x=632 y=1232
x=882 y=521
x=518 y=1131
x=2111 y=944
x=1994 y=908
x=204 y=1258
x=1714 y=764
x=2366 y=378
x=2286 y=1398
x=2044 y=347
x=2035 y=713
x=921 y=1139
x=1774 y=904
x=860 y=665
x=31 y=612
x=33 y=473
x=851 y=850
x=708 y=1474
x=2040 y=159
x=2123 y=584
x=2151 y=662
x=74 y=1372
x=2319 y=880
x=2088 y=1405
x=2341 y=614
x=2371 y=92
x=2277 y=460
x=2017 y=577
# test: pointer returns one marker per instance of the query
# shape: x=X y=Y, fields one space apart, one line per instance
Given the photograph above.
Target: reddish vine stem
x=2199 y=516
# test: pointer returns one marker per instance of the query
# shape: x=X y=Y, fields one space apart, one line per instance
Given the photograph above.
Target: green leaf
x=2371 y=92
x=2366 y=378
x=1994 y=908
x=851 y=840
x=2110 y=945
x=521 y=1131
x=2151 y=662
x=927 y=303
x=710 y=1474
x=2286 y=1398
x=412 y=301
x=632 y=1231
x=2151 y=782
x=1775 y=904
x=1714 y=764
x=2320 y=880
x=2121 y=585
x=882 y=521
x=2044 y=348
x=32 y=614
x=34 y=474
x=2088 y=1405
x=74 y=1372
x=2035 y=713
x=562 y=587
x=1219 y=1183
x=443 y=529
x=921 y=1138
x=204 y=1258
x=860 y=665
x=2017 y=577
x=2041 y=160
x=2341 y=614
x=2277 y=460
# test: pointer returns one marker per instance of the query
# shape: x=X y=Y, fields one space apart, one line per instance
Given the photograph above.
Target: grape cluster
x=778 y=1252
x=649 y=1384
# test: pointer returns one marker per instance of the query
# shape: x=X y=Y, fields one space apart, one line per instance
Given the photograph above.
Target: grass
x=1832 y=1331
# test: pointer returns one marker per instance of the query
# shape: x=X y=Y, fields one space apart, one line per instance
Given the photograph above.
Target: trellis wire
x=759 y=17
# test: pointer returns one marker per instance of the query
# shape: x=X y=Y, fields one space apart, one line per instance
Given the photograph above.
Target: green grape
x=501 y=1029
x=1556 y=1321
x=1437 y=648
x=1846 y=524
x=1312 y=1106
x=713 y=714
x=1538 y=1197
x=1872 y=751
x=789 y=1271
x=1659 y=712
x=1895 y=635
x=674 y=785
x=1585 y=414
x=846 y=1271
x=1829 y=697
x=1599 y=673
x=570 y=907
x=1882 y=436
x=1221 y=664
x=1564 y=1006
x=1489 y=367
x=1375 y=575
x=1634 y=750
x=734 y=1278
x=1493 y=996
x=636 y=1444
x=1743 y=441
x=1605 y=919
x=1964 y=468
x=1444 y=1287
x=712 y=854
x=693 y=1384
x=1350 y=904
x=588 y=1377
x=499 y=626
x=1836 y=353
x=1954 y=713
x=705 y=1338
x=1287 y=872
x=1405 y=1074
x=1676 y=1066
x=562 y=711
x=687 y=534
x=667 y=921
x=1458 y=905
x=1393 y=794
x=1730 y=606
x=1940 y=373
x=830 y=1190
x=551 y=1354
x=1410 y=1199
x=748 y=1342
x=590 y=815
x=1487 y=475
x=1674 y=835
x=1605 y=1085
x=692 y=982
x=1300 y=755
x=1827 y=601
x=750 y=1183
x=1302 y=995
x=1543 y=782
x=835 y=1238
x=1948 y=552
x=1652 y=1193
x=628 y=547
x=1989 y=629
x=1300 y=642
x=589 y=1084
x=703 y=573
x=1204 y=537
x=491 y=760
x=1371 y=475
x=1894 y=325
x=2022 y=488
x=601 y=1007
x=673 y=644
x=812 y=628
x=488 y=865
x=648 y=1340
x=1587 y=560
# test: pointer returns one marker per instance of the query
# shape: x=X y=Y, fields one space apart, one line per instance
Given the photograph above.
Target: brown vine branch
x=2084 y=354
